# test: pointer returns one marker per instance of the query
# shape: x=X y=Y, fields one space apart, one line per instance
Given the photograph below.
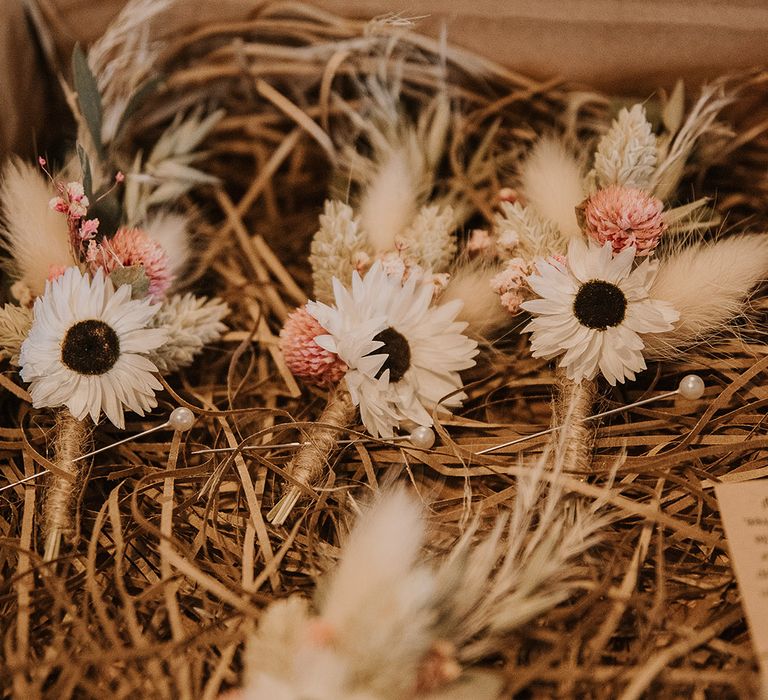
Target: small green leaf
x=137 y=100
x=133 y=275
x=88 y=96
x=85 y=166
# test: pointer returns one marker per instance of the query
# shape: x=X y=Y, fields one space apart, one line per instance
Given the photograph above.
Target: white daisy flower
x=84 y=350
x=403 y=355
x=594 y=310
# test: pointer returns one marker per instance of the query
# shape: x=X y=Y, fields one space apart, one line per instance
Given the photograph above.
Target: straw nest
x=174 y=559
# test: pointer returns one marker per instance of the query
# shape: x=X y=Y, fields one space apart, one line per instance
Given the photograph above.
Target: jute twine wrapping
x=59 y=520
x=574 y=401
x=309 y=462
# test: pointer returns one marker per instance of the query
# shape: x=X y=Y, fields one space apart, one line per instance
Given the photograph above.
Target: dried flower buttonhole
x=86 y=348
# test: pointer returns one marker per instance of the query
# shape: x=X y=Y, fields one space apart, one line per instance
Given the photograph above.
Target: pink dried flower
x=625 y=216
x=55 y=271
x=92 y=253
x=78 y=209
x=119 y=176
x=132 y=246
x=304 y=357
x=58 y=204
x=361 y=261
x=393 y=265
x=510 y=284
x=480 y=241
x=511 y=301
x=508 y=240
x=507 y=194
x=512 y=276
x=397 y=264
x=76 y=192
x=88 y=229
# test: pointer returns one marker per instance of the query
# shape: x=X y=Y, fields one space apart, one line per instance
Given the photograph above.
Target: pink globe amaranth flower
x=625 y=216
x=304 y=357
x=132 y=246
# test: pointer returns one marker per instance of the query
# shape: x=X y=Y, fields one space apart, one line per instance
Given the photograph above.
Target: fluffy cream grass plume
x=551 y=181
x=371 y=630
x=171 y=231
x=390 y=201
x=386 y=625
x=398 y=178
x=709 y=284
x=36 y=236
x=470 y=282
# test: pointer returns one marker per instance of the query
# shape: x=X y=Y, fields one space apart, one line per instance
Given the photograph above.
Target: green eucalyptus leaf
x=133 y=275
x=88 y=96
x=85 y=166
x=137 y=99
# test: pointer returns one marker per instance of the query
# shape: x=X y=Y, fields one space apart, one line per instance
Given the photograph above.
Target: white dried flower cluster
x=15 y=322
x=430 y=237
x=337 y=245
x=626 y=155
x=190 y=322
x=521 y=231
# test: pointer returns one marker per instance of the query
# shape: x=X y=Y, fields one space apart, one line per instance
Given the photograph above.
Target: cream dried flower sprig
x=391 y=620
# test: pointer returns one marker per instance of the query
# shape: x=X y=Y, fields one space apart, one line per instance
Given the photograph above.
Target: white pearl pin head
x=422 y=437
x=181 y=419
x=691 y=387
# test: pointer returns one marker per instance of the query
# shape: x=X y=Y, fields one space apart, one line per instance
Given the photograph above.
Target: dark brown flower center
x=90 y=347
x=599 y=305
x=398 y=354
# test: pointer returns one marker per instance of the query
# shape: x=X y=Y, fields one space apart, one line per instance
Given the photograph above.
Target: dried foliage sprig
x=387 y=625
x=190 y=322
x=398 y=210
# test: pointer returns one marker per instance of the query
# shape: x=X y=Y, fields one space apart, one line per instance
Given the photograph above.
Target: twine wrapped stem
x=309 y=462
x=574 y=402
x=58 y=514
